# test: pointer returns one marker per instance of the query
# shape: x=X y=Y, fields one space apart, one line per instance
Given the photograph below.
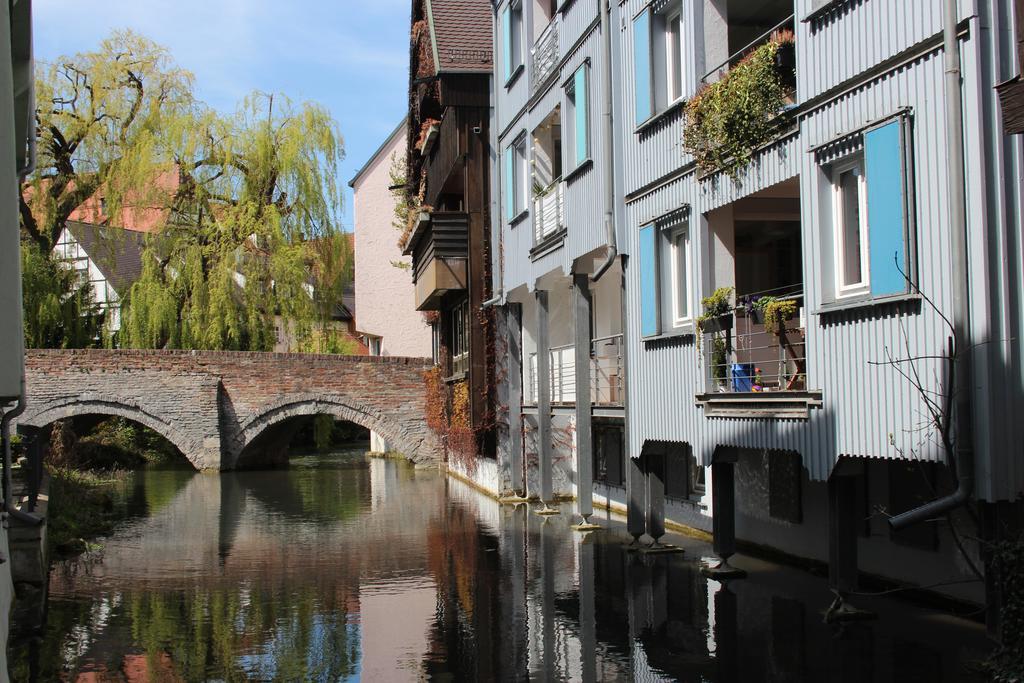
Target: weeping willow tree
x=100 y=117
x=58 y=304
x=252 y=235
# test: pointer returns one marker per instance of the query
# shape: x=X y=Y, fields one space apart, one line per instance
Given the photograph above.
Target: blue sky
x=349 y=55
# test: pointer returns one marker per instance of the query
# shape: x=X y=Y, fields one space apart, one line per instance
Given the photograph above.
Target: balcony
x=443 y=156
x=439 y=247
x=755 y=358
x=544 y=57
x=607 y=386
x=548 y=207
x=785 y=58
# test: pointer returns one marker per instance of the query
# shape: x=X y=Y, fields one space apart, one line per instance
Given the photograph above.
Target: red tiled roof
x=462 y=34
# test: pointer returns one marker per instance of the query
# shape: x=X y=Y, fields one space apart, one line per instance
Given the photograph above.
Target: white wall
x=384 y=294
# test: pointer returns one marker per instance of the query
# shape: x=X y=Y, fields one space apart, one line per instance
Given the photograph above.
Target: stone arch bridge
x=228 y=409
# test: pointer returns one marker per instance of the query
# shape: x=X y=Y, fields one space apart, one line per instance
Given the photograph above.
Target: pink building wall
x=384 y=293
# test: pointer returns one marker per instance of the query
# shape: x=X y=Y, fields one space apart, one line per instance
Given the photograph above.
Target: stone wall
x=213 y=405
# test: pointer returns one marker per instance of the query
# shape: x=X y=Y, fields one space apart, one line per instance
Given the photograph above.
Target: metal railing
x=719 y=71
x=548 y=207
x=607 y=383
x=544 y=56
x=562 y=375
x=742 y=354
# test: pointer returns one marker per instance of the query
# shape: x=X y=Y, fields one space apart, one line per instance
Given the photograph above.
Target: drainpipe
x=962 y=385
x=609 y=178
x=5 y=434
x=499 y=291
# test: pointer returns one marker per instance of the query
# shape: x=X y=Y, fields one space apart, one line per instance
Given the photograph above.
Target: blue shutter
x=506 y=22
x=510 y=183
x=648 y=281
x=582 y=127
x=887 y=239
x=642 y=65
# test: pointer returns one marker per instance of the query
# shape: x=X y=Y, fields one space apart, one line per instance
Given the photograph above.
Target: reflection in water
x=339 y=569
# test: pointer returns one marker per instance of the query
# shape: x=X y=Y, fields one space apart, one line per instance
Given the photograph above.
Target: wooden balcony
x=445 y=155
x=440 y=252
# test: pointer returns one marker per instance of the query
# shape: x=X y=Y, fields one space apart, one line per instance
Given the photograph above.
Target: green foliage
x=718 y=359
x=101 y=116
x=57 y=302
x=323 y=427
x=719 y=303
x=728 y=120
x=254 y=230
x=82 y=508
x=776 y=312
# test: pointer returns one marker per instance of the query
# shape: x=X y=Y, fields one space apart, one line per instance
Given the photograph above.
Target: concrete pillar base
x=723 y=571
x=547 y=512
x=840 y=611
x=659 y=549
x=586 y=526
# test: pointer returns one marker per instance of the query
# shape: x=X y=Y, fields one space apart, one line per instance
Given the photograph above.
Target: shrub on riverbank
x=81 y=509
x=110 y=444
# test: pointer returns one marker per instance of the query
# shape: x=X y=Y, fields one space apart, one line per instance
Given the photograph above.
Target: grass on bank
x=82 y=508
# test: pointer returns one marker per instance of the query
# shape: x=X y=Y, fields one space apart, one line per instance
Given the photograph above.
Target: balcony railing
x=743 y=355
x=544 y=56
x=785 y=60
x=548 y=206
x=607 y=384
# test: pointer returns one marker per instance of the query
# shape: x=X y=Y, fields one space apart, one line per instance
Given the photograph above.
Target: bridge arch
x=40 y=415
x=413 y=444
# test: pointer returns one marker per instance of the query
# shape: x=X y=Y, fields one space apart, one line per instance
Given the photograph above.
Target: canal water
x=345 y=568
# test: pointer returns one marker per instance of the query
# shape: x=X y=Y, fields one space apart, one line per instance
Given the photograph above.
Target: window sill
x=777 y=405
x=519 y=218
x=576 y=172
x=548 y=244
x=682 y=333
x=516 y=73
x=867 y=303
x=672 y=109
x=457 y=377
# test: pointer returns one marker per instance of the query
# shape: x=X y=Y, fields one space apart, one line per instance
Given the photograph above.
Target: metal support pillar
x=654 y=464
x=723 y=523
x=584 y=421
x=514 y=325
x=636 y=495
x=544 y=401
x=842 y=545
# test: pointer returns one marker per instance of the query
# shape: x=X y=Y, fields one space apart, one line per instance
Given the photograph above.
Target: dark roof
x=461 y=32
x=115 y=251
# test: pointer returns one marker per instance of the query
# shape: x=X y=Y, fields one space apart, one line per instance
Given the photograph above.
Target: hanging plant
x=776 y=312
x=728 y=120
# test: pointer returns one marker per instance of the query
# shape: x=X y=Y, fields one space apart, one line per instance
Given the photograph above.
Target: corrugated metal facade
x=868 y=410
x=522 y=108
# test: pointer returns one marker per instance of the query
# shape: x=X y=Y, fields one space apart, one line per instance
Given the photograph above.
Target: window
x=512 y=24
x=851 y=228
x=609 y=447
x=681 y=266
x=515 y=178
x=460 y=338
x=666 y=267
x=872 y=215
x=577 y=113
x=658 y=59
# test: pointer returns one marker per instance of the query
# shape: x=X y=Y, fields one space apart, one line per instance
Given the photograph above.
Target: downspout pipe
x=962 y=384
x=5 y=434
x=496 y=259
x=609 y=148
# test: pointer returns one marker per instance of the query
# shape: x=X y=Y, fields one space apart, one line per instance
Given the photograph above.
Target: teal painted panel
x=582 y=123
x=887 y=234
x=510 y=183
x=642 y=65
x=648 y=281
x=506 y=22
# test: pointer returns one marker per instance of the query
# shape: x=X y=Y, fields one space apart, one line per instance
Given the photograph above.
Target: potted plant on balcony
x=717 y=316
x=776 y=312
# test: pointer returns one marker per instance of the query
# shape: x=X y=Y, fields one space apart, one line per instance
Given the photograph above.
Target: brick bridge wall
x=214 y=405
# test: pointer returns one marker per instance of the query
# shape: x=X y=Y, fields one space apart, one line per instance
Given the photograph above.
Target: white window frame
x=854 y=163
x=671 y=67
x=677 y=236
